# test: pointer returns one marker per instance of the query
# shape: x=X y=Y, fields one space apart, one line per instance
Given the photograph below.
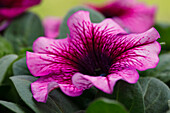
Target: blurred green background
x=61 y=7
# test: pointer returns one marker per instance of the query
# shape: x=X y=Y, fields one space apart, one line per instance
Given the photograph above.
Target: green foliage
x=148 y=95
x=169 y=106
x=155 y=94
x=23 y=31
x=142 y=97
x=20 y=67
x=5 y=63
x=14 y=107
x=56 y=103
x=162 y=70
x=104 y=105
x=5 y=47
x=95 y=17
x=164 y=31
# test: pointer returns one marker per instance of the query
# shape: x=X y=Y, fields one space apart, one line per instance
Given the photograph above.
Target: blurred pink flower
x=52 y=26
x=94 y=54
x=132 y=16
x=12 y=8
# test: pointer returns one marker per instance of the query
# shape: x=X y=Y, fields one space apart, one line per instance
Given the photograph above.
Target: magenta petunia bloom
x=94 y=54
x=12 y=8
x=52 y=26
x=132 y=16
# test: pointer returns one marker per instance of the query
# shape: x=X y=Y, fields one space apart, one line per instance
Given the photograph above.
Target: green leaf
x=5 y=63
x=24 y=50
x=14 y=107
x=20 y=67
x=22 y=85
x=71 y=104
x=95 y=17
x=5 y=47
x=23 y=31
x=142 y=97
x=162 y=70
x=64 y=102
x=57 y=102
x=156 y=95
x=104 y=105
x=169 y=106
x=163 y=30
x=130 y=95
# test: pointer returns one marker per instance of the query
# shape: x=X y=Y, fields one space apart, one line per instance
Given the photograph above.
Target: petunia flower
x=132 y=16
x=51 y=26
x=12 y=8
x=94 y=54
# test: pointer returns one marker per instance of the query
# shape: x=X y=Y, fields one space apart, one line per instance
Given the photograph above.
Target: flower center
x=95 y=65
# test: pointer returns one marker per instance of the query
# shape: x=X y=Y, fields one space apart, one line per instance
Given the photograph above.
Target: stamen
x=162 y=43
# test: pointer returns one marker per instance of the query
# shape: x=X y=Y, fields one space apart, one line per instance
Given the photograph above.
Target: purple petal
x=45 y=84
x=80 y=26
x=51 y=26
x=40 y=64
x=129 y=75
x=70 y=90
x=80 y=81
x=112 y=27
x=135 y=20
x=139 y=51
x=42 y=87
x=130 y=14
x=128 y=41
x=49 y=46
x=45 y=64
x=78 y=19
x=142 y=57
x=105 y=84
x=52 y=56
x=14 y=11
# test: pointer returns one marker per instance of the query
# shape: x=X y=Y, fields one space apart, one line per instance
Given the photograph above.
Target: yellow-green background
x=60 y=7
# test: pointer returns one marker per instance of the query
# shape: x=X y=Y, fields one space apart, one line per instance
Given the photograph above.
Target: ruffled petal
x=51 y=26
x=128 y=41
x=70 y=90
x=80 y=26
x=80 y=81
x=45 y=64
x=40 y=64
x=105 y=84
x=129 y=75
x=45 y=84
x=142 y=57
x=50 y=46
x=79 y=22
x=124 y=42
x=110 y=27
x=51 y=56
x=42 y=87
